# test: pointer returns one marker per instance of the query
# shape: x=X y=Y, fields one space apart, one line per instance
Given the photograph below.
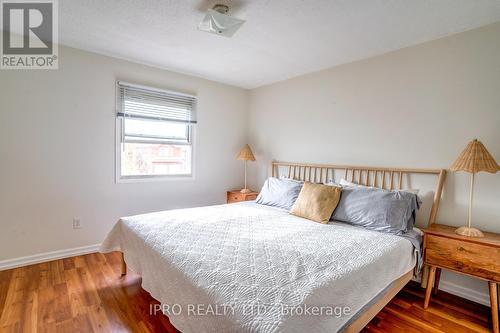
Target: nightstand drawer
x=233 y=197
x=466 y=257
x=237 y=196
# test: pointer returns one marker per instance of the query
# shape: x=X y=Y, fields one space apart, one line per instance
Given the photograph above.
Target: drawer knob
x=461 y=249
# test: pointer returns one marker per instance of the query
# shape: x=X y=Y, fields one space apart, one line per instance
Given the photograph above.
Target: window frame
x=160 y=139
x=119 y=140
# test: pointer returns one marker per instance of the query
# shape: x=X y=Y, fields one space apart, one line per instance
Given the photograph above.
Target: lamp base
x=246 y=190
x=469 y=232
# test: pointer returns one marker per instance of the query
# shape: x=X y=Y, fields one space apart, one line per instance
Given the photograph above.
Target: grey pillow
x=376 y=209
x=280 y=193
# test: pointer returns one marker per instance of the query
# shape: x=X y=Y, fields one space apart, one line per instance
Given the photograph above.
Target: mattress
x=246 y=267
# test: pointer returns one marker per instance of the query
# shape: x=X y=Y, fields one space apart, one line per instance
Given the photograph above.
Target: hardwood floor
x=446 y=313
x=87 y=294
x=80 y=294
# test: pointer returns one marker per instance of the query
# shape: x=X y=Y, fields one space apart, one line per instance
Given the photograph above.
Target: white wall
x=416 y=107
x=57 y=151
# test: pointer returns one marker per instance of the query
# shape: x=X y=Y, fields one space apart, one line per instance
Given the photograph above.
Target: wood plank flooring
x=87 y=294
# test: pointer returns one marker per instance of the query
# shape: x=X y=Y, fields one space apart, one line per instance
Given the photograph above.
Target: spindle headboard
x=385 y=178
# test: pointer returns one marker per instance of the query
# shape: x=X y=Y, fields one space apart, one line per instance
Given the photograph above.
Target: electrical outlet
x=77 y=224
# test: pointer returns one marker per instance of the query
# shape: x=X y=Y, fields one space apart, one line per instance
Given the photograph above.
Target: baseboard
x=470 y=294
x=47 y=256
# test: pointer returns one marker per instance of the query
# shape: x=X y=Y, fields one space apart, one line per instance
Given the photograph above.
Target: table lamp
x=473 y=159
x=246 y=155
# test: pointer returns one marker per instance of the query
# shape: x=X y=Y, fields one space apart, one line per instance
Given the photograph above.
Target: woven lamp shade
x=475 y=158
x=246 y=154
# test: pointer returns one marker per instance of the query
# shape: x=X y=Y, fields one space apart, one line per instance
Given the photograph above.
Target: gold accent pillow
x=316 y=202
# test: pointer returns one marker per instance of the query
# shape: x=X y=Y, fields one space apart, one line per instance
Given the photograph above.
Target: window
x=155 y=130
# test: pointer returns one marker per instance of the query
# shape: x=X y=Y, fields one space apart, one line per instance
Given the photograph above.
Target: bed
x=246 y=267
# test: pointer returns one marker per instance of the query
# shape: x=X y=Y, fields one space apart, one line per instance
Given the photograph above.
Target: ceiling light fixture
x=217 y=21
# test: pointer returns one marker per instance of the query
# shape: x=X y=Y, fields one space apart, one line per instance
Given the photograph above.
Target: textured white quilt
x=251 y=268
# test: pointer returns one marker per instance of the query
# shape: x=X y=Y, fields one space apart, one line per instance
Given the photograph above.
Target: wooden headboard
x=385 y=178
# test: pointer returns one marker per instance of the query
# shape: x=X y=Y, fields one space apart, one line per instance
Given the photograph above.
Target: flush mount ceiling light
x=217 y=21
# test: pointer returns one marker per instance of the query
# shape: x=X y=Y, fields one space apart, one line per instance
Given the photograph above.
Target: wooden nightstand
x=477 y=257
x=237 y=196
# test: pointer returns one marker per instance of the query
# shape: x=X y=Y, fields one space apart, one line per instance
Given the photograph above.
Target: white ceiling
x=281 y=38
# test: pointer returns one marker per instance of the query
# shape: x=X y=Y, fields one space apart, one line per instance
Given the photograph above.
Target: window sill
x=149 y=179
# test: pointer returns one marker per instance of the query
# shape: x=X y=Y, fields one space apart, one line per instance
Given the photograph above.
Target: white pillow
x=344 y=182
x=332 y=183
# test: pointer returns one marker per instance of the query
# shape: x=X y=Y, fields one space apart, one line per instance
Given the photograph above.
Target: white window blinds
x=137 y=102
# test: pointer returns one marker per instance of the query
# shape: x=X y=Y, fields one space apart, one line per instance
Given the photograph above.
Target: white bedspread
x=252 y=264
